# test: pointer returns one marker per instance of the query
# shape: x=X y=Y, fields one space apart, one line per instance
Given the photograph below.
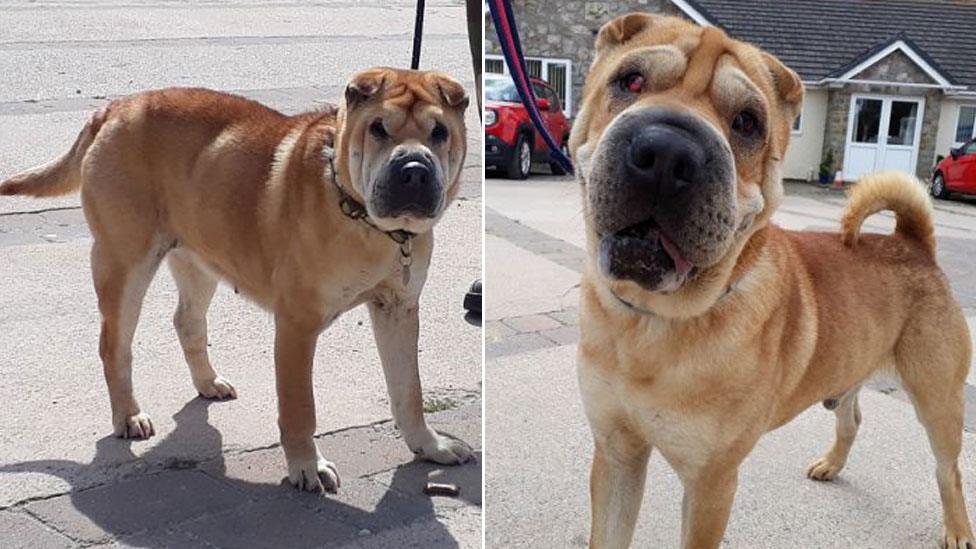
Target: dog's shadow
x=167 y=502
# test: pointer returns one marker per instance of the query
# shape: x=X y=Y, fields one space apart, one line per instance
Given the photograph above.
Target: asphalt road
x=59 y=61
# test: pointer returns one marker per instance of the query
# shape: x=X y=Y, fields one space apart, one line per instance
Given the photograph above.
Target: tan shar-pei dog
x=703 y=324
x=308 y=215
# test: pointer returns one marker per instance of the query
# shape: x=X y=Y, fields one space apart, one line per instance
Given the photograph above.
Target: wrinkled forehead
x=410 y=102
x=691 y=59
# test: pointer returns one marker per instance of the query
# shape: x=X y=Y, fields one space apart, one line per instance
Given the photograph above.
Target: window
x=901 y=123
x=494 y=66
x=964 y=125
x=867 y=120
x=556 y=72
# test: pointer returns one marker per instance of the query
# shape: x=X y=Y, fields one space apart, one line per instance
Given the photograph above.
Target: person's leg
x=476 y=25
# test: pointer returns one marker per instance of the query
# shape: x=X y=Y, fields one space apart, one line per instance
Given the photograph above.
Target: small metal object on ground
x=441 y=489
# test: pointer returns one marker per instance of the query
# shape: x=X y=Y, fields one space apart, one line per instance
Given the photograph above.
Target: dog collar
x=644 y=312
x=352 y=209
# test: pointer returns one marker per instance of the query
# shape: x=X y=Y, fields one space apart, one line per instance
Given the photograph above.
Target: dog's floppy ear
x=450 y=90
x=788 y=86
x=623 y=28
x=363 y=86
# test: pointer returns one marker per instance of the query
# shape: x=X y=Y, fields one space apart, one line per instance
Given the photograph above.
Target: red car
x=511 y=142
x=956 y=173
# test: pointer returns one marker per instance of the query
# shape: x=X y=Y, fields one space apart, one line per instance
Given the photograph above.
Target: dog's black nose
x=414 y=174
x=410 y=187
x=666 y=157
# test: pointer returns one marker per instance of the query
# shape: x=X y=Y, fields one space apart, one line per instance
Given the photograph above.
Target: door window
x=901 y=123
x=970 y=149
x=867 y=120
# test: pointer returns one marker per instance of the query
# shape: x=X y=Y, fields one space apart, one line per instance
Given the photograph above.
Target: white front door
x=883 y=133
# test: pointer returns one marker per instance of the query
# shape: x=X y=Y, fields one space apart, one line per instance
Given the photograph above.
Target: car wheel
x=555 y=167
x=938 y=188
x=521 y=162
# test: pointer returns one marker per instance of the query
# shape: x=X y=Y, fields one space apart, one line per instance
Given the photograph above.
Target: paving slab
x=149 y=502
x=271 y=524
x=23 y=531
x=423 y=535
x=513 y=289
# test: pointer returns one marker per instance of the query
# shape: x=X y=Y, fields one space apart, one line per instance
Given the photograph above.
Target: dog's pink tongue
x=681 y=265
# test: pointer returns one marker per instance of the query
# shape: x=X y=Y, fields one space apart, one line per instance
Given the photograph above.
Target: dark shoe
x=472 y=299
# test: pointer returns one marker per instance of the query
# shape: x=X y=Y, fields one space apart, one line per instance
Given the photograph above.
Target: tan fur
x=895 y=191
x=784 y=320
x=230 y=189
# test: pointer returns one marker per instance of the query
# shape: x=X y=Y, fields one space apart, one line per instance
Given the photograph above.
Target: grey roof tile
x=822 y=38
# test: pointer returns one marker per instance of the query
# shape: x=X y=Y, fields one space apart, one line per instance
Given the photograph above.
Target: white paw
x=825 y=468
x=445 y=450
x=218 y=388
x=314 y=476
x=134 y=426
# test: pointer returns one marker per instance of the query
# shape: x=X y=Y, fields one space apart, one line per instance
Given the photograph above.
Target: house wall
x=805 y=150
x=946 y=131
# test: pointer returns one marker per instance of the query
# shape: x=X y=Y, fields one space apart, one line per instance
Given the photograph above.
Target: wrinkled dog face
x=402 y=145
x=677 y=146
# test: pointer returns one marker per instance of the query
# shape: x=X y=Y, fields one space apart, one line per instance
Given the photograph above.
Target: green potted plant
x=827 y=167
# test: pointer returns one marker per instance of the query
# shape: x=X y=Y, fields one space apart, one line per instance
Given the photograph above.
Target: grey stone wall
x=567 y=29
x=896 y=67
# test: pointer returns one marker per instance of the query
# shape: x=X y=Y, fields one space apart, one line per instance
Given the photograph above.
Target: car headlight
x=491 y=116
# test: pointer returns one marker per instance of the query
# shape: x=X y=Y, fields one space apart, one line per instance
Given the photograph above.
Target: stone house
x=890 y=83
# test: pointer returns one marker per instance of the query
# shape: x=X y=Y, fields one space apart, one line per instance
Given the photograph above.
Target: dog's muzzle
x=662 y=196
x=408 y=186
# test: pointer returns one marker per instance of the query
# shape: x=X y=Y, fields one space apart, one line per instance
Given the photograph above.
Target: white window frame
x=546 y=61
x=956 y=125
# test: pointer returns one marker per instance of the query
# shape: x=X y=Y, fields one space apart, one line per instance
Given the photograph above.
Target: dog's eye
x=377 y=129
x=746 y=124
x=439 y=134
x=632 y=82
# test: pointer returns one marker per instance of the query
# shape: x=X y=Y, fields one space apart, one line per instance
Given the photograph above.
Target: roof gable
x=894 y=62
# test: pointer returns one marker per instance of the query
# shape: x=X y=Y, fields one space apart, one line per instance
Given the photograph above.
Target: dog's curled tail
x=890 y=190
x=59 y=176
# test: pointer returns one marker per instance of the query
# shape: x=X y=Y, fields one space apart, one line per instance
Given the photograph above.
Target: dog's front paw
x=218 y=388
x=317 y=475
x=825 y=468
x=134 y=426
x=445 y=450
x=957 y=540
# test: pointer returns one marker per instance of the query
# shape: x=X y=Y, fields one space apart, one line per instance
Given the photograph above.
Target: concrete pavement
x=539 y=443
x=212 y=474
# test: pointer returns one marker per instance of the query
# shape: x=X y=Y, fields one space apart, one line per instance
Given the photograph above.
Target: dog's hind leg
x=196 y=287
x=122 y=272
x=933 y=369
x=848 y=414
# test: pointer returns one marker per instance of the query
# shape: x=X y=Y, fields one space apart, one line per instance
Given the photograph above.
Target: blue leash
x=504 y=20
